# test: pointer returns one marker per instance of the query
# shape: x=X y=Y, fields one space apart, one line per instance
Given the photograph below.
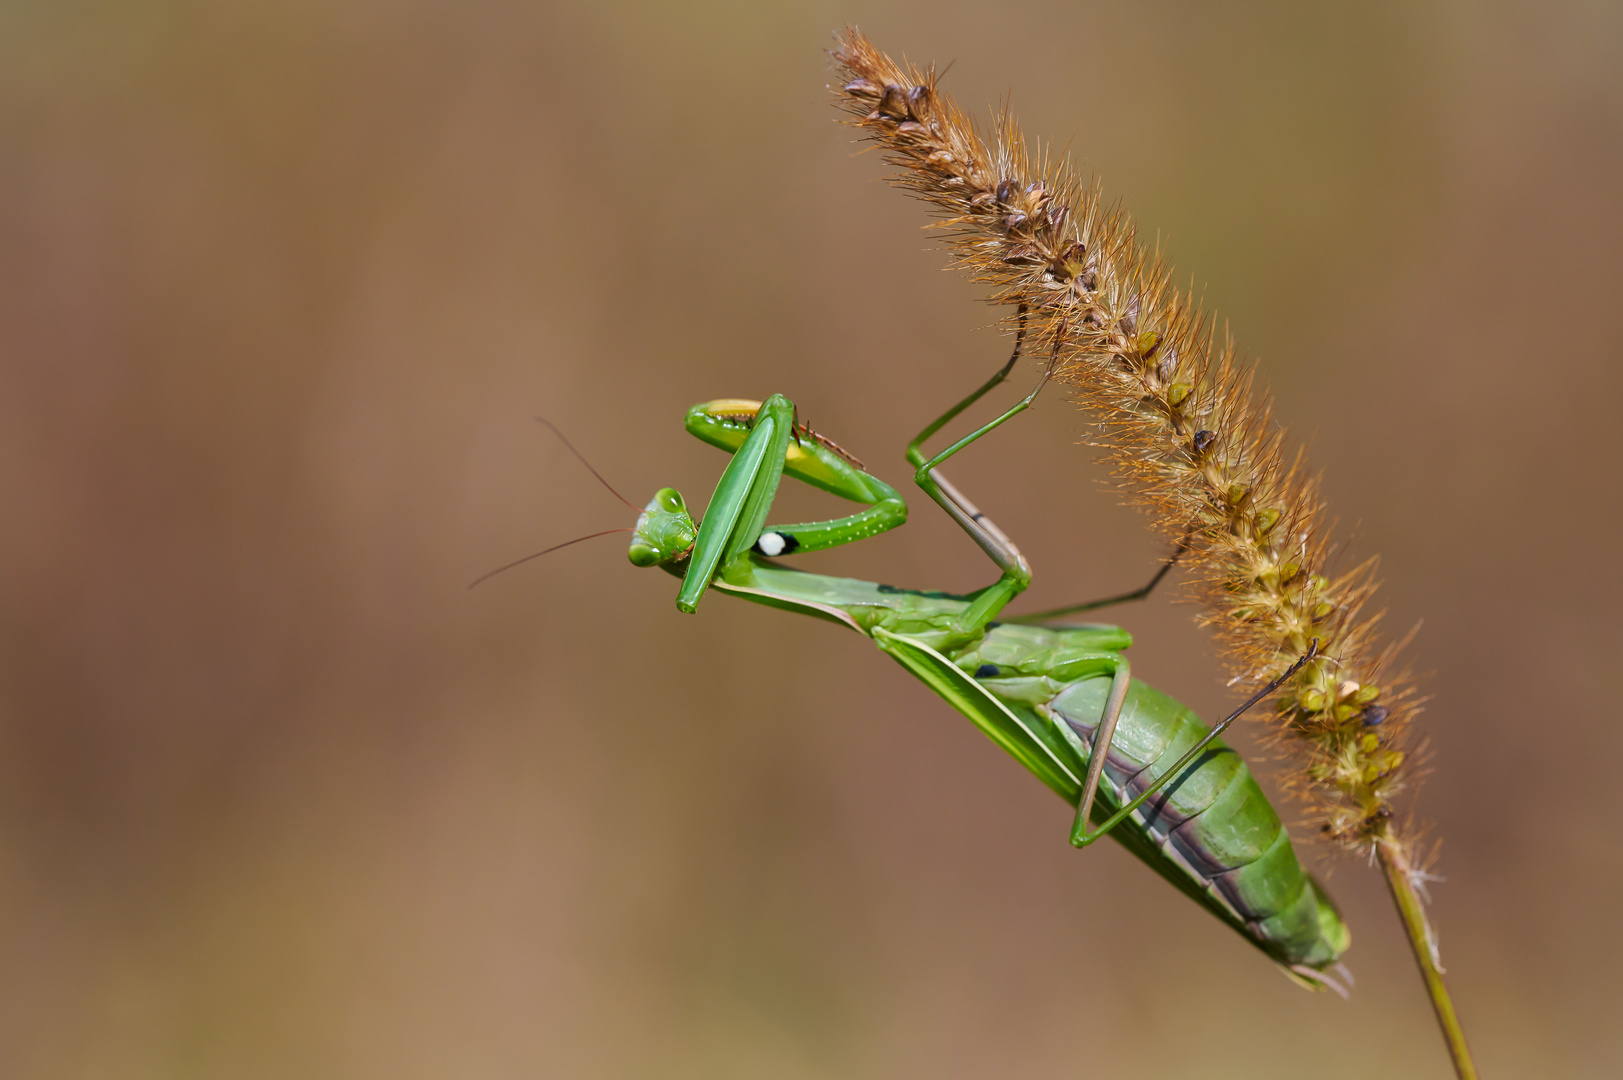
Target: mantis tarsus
x=1059 y=698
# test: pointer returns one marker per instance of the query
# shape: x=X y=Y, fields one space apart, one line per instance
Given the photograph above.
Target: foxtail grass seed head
x=1186 y=431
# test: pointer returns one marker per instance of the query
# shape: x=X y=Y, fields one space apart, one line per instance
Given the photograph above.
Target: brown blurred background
x=281 y=288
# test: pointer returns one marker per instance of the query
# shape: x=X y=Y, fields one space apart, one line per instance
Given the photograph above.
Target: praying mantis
x=1059 y=697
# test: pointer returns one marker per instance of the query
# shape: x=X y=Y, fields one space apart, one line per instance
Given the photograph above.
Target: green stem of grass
x=1395 y=864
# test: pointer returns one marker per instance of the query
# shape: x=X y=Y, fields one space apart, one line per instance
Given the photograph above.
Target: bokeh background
x=282 y=286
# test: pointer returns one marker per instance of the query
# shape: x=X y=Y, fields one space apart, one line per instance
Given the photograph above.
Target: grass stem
x=1400 y=878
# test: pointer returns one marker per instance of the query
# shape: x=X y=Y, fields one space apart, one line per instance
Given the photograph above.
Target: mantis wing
x=1030 y=741
x=1025 y=737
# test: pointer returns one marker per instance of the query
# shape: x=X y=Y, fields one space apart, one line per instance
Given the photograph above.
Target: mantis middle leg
x=1016 y=571
x=991 y=539
x=1055 y=617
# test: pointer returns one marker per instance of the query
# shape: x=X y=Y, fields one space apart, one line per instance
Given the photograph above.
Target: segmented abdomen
x=1213 y=821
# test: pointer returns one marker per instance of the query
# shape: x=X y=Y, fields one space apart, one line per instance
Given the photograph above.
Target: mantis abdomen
x=1211 y=831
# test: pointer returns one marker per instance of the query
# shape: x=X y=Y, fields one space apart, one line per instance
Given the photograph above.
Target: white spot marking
x=770 y=544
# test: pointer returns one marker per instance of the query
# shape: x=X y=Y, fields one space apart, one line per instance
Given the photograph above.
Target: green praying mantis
x=1057 y=696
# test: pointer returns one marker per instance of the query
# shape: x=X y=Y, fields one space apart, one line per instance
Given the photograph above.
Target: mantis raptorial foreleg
x=739 y=504
x=765 y=444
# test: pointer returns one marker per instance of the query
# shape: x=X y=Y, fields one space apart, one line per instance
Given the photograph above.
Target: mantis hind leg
x=1121 y=680
x=1029 y=743
x=1080 y=835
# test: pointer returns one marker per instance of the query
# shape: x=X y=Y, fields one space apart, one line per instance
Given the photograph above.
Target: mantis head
x=664 y=532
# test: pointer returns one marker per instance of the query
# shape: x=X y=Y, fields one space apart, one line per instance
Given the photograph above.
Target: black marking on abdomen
x=986 y=671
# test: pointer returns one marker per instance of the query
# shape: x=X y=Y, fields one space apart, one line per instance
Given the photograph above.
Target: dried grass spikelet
x=1185 y=432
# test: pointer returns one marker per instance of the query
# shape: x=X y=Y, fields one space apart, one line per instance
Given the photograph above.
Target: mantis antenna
x=582 y=459
x=537 y=554
x=591 y=536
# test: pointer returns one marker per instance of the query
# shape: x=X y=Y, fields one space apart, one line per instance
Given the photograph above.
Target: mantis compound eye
x=669 y=499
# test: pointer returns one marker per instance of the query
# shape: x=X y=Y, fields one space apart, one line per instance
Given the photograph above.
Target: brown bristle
x=1186 y=435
